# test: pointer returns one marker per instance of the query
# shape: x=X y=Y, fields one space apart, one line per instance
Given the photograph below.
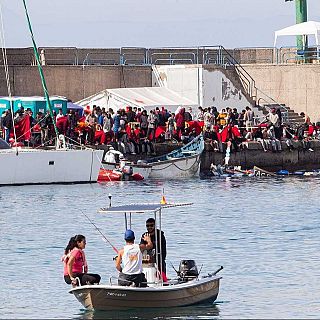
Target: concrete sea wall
x=296 y=85
x=253 y=155
x=74 y=82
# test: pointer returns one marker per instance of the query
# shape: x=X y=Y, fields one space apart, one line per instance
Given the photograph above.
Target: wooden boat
x=187 y=289
x=258 y=172
x=229 y=171
x=60 y=165
x=180 y=163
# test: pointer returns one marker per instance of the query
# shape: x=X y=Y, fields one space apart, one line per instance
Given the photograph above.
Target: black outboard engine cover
x=188 y=270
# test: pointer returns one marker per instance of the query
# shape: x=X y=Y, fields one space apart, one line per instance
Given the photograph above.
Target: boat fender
x=283 y=172
x=137 y=177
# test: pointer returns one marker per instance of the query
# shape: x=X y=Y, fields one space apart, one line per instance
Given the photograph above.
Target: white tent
x=145 y=98
x=300 y=29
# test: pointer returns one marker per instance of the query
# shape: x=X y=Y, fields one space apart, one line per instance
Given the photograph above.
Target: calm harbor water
x=265 y=232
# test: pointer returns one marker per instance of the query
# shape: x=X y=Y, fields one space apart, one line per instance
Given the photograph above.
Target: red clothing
x=198 y=125
x=80 y=263
x=23 y=128
x=100 y=135
x=180 y=118
x=235 y=132
x=62 y=124
x=159 y=130
x=310 y=130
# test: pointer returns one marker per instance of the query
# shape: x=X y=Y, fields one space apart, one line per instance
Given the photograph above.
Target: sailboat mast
x=43 y=81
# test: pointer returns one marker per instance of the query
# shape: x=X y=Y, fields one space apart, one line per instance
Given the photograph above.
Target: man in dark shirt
x=7 y=124
x=160 y=247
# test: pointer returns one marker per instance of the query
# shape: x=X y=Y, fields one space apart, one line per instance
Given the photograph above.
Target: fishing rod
x=103 y=236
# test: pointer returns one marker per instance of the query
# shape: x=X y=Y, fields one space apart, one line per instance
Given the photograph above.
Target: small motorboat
x=118 y=175
x=188 y=288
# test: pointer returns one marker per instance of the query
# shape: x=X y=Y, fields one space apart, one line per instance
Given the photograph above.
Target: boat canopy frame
x=141 y=208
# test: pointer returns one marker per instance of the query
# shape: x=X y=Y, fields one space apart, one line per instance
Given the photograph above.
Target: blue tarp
x=71 y=105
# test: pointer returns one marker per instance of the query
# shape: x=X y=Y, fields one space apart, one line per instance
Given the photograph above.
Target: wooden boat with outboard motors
x=188 y=288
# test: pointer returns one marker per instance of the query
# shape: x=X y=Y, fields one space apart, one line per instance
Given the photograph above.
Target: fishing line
x=103 y=236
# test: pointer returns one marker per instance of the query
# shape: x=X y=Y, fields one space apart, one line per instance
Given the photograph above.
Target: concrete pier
x=252 y=155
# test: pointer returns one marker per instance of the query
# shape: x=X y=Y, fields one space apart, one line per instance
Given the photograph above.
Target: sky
x=150 y=23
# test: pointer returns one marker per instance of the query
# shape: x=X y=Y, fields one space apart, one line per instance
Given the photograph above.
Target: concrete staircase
x=288 y=114
x=231 y=72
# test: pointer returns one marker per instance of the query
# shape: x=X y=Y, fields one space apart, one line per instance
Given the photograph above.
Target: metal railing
x=270 y=101
x=100 y=58
x=290 y=55
x=225 y=58
x=59 y=56
x=170 y=55
x=172 y=58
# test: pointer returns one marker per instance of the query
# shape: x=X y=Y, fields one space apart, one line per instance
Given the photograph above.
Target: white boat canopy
x=147 y=98
x=300 y=29
x=141 y=207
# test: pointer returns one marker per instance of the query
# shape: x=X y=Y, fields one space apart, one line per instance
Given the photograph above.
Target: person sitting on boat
x=65 y=258
x=77 y=265
x=131 y=257
x=160 y=246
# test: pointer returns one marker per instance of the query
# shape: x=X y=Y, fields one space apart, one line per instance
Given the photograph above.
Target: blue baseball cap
x=129 y=235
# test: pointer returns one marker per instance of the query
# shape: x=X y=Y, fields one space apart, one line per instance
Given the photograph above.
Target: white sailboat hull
x=176 y=168
x=49 y=166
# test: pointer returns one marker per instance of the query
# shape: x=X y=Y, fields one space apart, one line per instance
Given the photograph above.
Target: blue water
x=265 y=232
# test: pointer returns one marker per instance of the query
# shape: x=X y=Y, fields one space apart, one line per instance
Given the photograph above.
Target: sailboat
x=63 y=164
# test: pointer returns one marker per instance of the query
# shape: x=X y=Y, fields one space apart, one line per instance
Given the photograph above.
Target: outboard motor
x=187 y=270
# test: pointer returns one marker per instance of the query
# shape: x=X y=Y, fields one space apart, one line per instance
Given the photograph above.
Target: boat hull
x=176 y=168
x=111 y=297
x=49 y=166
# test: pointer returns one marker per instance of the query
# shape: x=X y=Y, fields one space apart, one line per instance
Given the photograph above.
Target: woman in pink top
x=77 y=266
x=65 y=258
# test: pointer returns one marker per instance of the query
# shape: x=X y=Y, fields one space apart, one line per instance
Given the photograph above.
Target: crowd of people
x=129 y=260
x=133 y=130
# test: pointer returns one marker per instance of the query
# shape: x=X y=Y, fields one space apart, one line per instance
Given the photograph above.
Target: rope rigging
x=6 y=69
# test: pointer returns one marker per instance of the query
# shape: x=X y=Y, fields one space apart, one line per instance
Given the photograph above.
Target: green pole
x=301 y=16
x=43 y=81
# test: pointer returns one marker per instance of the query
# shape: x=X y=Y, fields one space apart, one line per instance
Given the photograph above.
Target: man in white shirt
x=131 y=257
